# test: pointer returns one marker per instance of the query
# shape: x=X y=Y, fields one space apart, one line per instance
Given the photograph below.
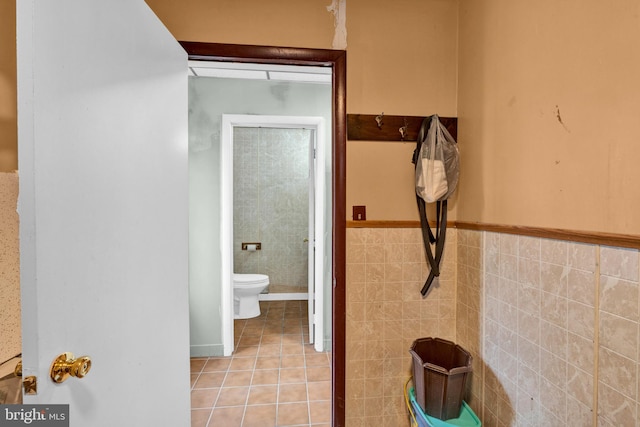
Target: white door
x=102 y=118
x=311 y=237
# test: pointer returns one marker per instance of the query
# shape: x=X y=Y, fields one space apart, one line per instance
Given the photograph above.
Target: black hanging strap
x=441 y=221
x=429 y=239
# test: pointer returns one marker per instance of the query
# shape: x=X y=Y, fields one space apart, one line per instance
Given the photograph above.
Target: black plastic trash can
x=440 y=370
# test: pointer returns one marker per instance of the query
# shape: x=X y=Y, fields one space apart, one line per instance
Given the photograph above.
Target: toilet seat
x=250 y=279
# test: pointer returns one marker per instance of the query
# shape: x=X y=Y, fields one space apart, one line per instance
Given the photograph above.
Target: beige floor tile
x=217 y=364
x=246 y=351
x=320 y=412
x=242 y=363
x=266 y=394
x=292 y=393
x=200 y=417
x=268 y=372
x=271 y=339
x=265 y=377
x=253 y=331
x=260 y=416
x=237 y=378
x=320 y=390
x=197 y=365
x=318 y=359
x=292 y=361
x=269 y=350
x=293 y=414
x=227 y=417
x=248 y=340
x=292 y=348
x=268 y=362
x=318 y=374
x=292 y=375
x=210 y=380
x=204 y=398
x=232 y=396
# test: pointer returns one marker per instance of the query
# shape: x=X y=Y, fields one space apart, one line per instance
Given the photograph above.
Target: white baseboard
x=293 y=296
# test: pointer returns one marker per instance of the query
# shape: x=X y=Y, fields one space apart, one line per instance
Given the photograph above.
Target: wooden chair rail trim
x=597 y=238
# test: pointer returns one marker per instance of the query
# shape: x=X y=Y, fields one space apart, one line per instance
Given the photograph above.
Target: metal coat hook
x=379 y=120
x=403 y=130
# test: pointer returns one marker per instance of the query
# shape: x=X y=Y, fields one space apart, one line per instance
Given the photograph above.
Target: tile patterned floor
x=273 y=378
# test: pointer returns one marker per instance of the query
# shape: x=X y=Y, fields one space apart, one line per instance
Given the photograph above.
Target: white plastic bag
x=437 y=168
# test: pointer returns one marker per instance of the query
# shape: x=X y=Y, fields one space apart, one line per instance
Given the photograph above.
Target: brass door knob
x=65 y=366
x=18 y=369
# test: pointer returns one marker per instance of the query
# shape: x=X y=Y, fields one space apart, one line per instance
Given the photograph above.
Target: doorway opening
x=310 y=159
x=336 y=59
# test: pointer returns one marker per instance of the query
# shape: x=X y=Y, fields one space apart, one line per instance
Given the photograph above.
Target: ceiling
x=237 y=70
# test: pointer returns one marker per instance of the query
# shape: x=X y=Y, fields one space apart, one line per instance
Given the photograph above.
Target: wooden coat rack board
x=372 y=127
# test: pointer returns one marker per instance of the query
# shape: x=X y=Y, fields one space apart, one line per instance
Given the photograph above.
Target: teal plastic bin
x=467 y=417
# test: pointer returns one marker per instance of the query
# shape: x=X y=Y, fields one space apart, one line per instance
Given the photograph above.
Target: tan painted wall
x=401 y=59
x=523 y=68
x=549 y=100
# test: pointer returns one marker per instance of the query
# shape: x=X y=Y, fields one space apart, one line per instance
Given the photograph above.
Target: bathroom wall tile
x=580 y=319
x=620 y=297
x=374 y=273
x=553 y=251
x=529 y=353
x=492 y=258
x=618 y=372
x=554 y=400
x=582 y=286
x=412 y=252
x=529 y=248
x=614 y=407
x=529 y=272
x=580 y=386
x=619 y=334
x=375 y=253
x=580 y=352
x=553 y=368
x=509 y=244
x=492 y=286
x=579 y=413
x=619 y=262
x=509 y=267
x=553 y=309
x=554 y=278
x=393 y=272
x=529 y=326
x=554 y=339
x=582 y=256
x=393 y=236
x=529 y=299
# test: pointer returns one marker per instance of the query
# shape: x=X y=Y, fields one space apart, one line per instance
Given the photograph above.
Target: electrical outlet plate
x=359 y=213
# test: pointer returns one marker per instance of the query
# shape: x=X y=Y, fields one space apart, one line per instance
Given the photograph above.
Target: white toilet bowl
x=246 y=288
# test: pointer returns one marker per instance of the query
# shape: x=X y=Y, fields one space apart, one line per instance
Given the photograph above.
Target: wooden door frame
x=337 y=60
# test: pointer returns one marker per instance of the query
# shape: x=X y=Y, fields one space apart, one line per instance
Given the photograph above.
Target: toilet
x=246 y=288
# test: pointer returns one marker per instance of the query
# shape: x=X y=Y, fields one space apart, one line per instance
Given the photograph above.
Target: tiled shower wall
x=554 y=327
x=10 y=335
x=271 y=202
x=386 y=269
